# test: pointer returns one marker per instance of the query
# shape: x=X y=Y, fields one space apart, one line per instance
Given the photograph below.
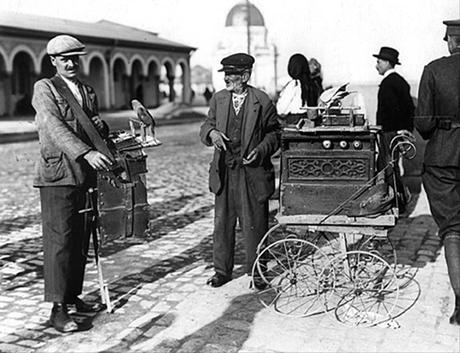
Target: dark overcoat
x=395 y=108
x=438 y=102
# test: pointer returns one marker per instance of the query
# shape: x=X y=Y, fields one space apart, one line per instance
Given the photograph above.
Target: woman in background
x=300 y=92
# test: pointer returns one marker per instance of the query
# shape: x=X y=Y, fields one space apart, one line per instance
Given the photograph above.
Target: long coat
x=61 y=143
x=439 y=98
x=395 y=108
x=260 y=130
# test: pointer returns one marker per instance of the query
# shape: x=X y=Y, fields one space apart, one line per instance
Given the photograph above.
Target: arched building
x=235 y=38
x=122 y=62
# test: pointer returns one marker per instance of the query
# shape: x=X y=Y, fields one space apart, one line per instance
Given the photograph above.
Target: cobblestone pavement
x=157 y=283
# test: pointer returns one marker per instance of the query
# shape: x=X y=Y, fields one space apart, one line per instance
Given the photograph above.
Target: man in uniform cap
x=242 y=126
x=438 y=121
x=395 y=111
x=64 y=172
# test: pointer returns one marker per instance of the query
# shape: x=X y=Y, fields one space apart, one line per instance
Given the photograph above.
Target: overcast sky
x=341 y=34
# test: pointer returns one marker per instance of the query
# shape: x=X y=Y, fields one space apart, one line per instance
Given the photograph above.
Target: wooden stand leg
x=103 y=287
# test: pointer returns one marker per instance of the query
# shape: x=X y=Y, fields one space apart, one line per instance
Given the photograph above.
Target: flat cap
x=237 y=63
x=65 y=45
x=453 y=28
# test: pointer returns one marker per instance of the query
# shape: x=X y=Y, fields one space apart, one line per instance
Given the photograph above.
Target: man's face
x=235 y=82
x=382 y=66
x=66 y=66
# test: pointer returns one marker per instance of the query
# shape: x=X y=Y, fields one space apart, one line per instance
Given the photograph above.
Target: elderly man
x=242 y=126
x=438 y=121
x=65 y=171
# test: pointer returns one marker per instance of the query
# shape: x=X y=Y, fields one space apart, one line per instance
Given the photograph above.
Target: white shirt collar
x=74 y=89
x=390 y=71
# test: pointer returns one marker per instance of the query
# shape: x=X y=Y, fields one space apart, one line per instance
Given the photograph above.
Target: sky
x=341 y=34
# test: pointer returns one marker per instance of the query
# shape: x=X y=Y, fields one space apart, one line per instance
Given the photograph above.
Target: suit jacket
x=62 y=145
x=439 y=98
x=260 y=130
x=395 y=108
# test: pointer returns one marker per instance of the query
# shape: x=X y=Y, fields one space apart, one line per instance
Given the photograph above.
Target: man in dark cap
x=438 y=121
x=395 y=111
x=65 y=171
x=242 y=126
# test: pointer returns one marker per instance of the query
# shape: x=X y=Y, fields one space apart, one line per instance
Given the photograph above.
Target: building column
x=172 y=92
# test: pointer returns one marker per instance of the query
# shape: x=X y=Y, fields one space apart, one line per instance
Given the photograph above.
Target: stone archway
x=137 y=88
x=4 y=86
x=22 y=79
x=97 y=78
x=152 y=88
x=120 y=84
x=167 y=92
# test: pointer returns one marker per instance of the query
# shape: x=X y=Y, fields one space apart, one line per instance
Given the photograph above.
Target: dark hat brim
x=396 y=62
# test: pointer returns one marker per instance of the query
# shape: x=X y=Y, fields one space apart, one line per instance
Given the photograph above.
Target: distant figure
x=243 y=128
x=316 y=74
x=395 y=113
x=207 y=94
x=438 y=121
x=300 y=92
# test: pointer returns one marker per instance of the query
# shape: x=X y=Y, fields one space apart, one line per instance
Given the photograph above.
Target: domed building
x=238 y=37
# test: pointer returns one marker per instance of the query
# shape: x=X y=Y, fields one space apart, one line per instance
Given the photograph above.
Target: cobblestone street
x=157 y=283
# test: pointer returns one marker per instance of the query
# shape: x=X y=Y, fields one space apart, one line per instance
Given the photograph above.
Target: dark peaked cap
x=453 y=28
x=237 y=63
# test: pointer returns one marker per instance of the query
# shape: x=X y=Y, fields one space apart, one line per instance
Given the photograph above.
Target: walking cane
x=103 y=287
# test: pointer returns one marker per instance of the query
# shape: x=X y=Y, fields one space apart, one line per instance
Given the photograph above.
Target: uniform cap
x=65 y=45
x=237 y=63
x=453 y=28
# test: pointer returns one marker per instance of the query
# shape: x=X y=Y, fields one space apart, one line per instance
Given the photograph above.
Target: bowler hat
x=237 y=63
x=453 y=28
x=389 y=54
x=65 y=45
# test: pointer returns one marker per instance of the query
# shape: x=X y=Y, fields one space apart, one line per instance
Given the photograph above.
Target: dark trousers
x=65 y=241
x=442 y=186
x=237 y=201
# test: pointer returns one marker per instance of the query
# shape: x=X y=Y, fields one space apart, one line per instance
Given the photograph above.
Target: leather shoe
x=455 y=318
x=61 y=320
x=218 y=280
x=83 y=307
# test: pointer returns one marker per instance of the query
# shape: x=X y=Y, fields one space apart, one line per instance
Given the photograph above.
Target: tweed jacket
x=260 y=130
x=439 y=99
x=62 y=145
x=395 y=108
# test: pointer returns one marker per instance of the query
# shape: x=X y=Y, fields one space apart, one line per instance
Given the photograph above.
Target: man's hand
x=98 y=161
x=97 y=121
x=406 y=133
x=252 y=157
x=218 y=139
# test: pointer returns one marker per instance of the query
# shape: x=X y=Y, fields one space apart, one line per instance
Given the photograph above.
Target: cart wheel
x=378 y=245
x=365 y=291
x=290 y=268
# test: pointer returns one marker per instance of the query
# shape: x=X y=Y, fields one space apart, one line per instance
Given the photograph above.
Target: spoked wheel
x=290 y=268
x=377 y=245
x=365 y=292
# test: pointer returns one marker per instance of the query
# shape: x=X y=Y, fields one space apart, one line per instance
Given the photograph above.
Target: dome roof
x=238 y=13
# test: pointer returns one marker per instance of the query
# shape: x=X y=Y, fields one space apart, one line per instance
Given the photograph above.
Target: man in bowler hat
x=64 y=172
x=242 y=127
x=438 y=121
x=395 y=111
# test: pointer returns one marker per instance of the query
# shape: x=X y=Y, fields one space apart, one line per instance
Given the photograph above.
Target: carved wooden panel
x=322 y=168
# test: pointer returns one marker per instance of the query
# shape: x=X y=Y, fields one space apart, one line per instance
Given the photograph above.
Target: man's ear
x=246 y=76
x=53 y=60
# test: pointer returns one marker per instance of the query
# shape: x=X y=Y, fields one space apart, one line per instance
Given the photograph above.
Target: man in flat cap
x=438 y=121
x=64 y=172
x=395 y=112
x=242 y=126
